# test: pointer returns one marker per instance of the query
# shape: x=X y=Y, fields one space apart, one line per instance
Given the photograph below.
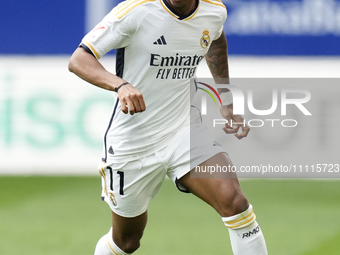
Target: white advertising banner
x=52 y=122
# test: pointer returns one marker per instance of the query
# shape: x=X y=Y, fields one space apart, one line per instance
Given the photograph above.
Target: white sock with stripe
x=106 y=246
x=245 y=234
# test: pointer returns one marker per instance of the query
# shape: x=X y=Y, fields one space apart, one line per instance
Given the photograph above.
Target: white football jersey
x=158 y=51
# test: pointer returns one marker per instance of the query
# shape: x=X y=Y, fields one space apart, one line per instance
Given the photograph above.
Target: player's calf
x=106 y=246
x=128 y=243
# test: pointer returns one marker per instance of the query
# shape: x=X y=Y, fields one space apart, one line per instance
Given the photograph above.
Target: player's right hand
x=131 y=99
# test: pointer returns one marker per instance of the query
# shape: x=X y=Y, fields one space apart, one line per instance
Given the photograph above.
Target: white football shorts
x=129 y=187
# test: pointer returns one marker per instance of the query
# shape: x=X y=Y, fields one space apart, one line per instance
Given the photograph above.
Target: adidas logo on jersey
x=160 y=41
x=111 y=150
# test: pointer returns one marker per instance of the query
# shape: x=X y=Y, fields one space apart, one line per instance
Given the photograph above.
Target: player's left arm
x=217 y=60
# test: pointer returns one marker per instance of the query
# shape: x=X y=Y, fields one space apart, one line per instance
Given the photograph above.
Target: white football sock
x=245 y=234
x=106 y=246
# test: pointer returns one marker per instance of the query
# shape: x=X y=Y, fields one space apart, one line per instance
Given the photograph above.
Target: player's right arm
x=87 y=67
x=217 y=60
x=115 y=31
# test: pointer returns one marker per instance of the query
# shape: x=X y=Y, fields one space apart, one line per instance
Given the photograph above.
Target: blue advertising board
x=283 y=27
x=41 y=27
x=253 y=27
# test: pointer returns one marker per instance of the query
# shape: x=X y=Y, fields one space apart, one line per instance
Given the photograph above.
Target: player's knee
x=233 y=204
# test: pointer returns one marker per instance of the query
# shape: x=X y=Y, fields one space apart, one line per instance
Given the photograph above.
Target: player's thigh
x=129 y=187
x=192 y=146
x=223 y=194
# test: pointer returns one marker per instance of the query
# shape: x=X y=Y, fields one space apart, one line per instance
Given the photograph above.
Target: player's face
x=182 y=6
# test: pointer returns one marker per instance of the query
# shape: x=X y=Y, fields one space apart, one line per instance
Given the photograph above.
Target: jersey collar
x=177 y=15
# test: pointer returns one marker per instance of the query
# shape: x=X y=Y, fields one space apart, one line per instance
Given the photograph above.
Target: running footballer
x=159 y=45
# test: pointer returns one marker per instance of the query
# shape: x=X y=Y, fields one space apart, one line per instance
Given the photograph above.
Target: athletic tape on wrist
x=226 y=98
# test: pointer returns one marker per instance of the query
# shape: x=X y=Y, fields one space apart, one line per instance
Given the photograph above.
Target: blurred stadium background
x=51 y=123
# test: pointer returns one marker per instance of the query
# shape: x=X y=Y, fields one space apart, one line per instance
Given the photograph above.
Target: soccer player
x=159 y=46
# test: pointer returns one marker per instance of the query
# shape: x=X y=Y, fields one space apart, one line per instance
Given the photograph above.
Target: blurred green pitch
x=64 y=215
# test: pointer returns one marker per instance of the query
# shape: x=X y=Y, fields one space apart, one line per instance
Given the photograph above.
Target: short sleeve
x=224 y=17
x=113 y=32
x=219 y=33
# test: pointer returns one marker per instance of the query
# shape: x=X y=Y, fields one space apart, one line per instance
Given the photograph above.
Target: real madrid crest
x=205 y=40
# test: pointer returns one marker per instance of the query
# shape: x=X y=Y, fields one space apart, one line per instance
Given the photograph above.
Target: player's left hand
x=235 y=122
